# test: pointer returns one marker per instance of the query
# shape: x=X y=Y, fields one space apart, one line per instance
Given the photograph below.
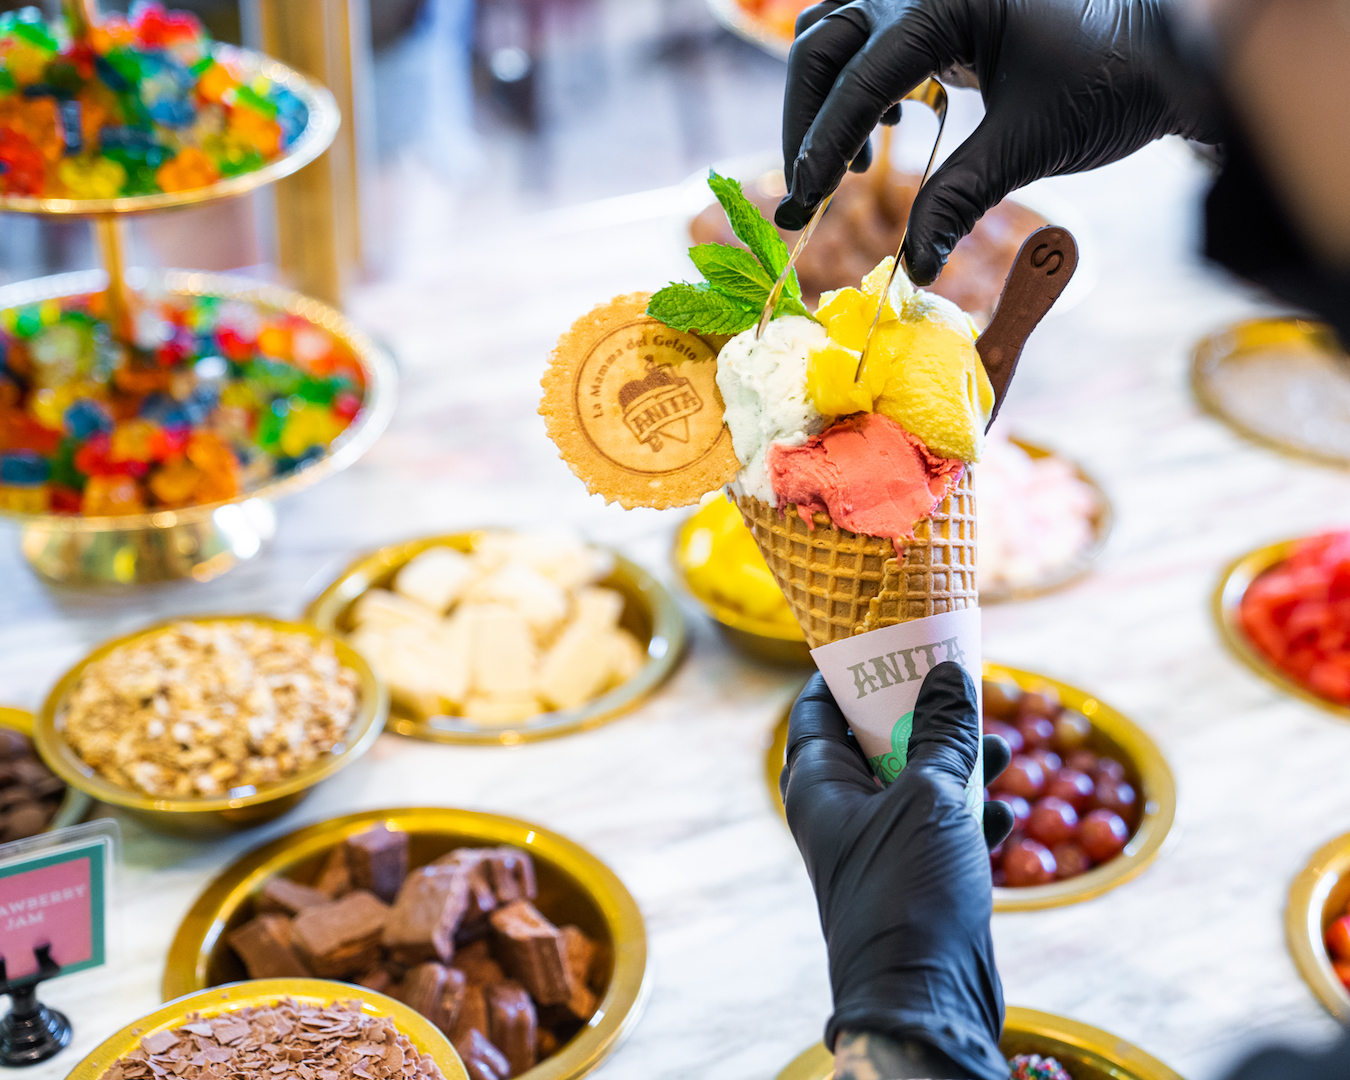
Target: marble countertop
x=1188 y=961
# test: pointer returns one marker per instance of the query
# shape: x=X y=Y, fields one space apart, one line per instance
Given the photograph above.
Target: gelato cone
x=840 y=583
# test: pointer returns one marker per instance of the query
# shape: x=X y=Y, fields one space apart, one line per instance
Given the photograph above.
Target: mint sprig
x=738 y=281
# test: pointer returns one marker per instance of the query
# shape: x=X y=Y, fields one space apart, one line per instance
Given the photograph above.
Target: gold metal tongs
x=930 y=92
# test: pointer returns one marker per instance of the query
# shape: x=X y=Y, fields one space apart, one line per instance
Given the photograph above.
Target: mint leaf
x=788 y=305
x=733 y=271
x=754 y=230
x=700 y=307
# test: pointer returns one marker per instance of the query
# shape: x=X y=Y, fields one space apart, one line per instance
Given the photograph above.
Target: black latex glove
x=902 y=873
x=1068 y=85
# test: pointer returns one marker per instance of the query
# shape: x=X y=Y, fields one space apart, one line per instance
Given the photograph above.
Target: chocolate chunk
x=422 y=989
x=482 y=899
x=14 y=744
x=580 y=952
x=512 y=1024
x=545 y=1044
x=26 y=819
x=335 y=876
x=426 y=914
x=378 y=859
x=264 y=945
x=511 y=873
x=288 y=897
x=478 y=966
x=380 y=979
x=472 y=1013
x=532 y=950
x=452 y=998
x=482 y=1060
x=342 y=937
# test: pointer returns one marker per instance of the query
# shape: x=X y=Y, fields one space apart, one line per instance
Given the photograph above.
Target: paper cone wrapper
x=876 y=620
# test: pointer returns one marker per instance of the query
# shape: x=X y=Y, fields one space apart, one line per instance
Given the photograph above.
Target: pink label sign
x=48 y=905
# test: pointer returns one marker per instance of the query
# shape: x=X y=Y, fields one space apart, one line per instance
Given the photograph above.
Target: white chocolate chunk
x=577 y=667
x=385 y=610
x=598 y=609
x=517 y=585
x=436 y=578
x=504 y=659
x=627 y=654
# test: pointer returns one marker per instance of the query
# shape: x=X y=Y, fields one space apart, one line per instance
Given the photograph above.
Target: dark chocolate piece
x=335 y=876
x=532 y=951
x=545 y=1044
x=422 y=989
x=512 y=1024
x=340 y=938
x=482 y=900
x=264 y=945
x=579 y=952
x=452 y=998
x=482 y=1060
x=426 y=914
x=380 y=979
x=477 y=964
x=288 y=897
x=472 y=1013
x=511 y=873
x=378 y=859
x=1039 y=274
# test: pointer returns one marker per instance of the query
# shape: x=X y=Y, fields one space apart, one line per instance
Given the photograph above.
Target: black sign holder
x=30 y=1032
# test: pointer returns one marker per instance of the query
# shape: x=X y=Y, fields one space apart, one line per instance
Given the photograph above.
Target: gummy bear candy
x=111 y=496
x=22 y=169
x=92 y=178
x=189 y=169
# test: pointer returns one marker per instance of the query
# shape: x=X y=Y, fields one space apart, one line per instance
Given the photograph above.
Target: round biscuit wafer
x=634 y=409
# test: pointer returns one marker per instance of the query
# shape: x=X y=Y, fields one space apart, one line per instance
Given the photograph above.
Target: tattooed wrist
x=865 y=1055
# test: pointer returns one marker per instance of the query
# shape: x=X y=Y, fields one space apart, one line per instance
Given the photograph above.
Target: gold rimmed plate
x=1087 y=1052
x=223 y=999
x=1233 y=585
x=1113 y=734
x=650 y=614
x=1317 y=898
x=320 y=128
x=75 y=804
x=1283 y=383
x=241 y=809
x=204 y=540
x=574 y=887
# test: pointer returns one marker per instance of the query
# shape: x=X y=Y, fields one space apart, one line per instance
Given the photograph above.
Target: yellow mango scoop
x=922 y=369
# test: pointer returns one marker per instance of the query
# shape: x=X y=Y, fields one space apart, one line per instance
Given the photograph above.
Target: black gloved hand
x=902 y=873
x=1068 y=85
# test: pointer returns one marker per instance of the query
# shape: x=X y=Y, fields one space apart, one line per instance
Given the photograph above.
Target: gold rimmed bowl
x=1081 y=565
x=240 y=809
x=75 y=804
x=205 y=540
x=1233 y=585
x=650 y=614
x=1087 y=1052
x=1283 y=383
x=225 y=999
x=1317 y=898
x=574 y=887
x=320 y=128
x=1112 y=734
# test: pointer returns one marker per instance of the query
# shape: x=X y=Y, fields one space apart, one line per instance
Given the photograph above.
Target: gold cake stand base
x=199 y=549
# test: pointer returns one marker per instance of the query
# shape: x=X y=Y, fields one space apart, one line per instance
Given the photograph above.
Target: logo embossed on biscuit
x=658 y=406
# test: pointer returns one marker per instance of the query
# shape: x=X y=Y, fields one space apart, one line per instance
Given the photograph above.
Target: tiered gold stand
x=199 y=542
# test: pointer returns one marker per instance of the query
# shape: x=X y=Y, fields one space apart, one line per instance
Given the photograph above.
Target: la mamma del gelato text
x=878 y=451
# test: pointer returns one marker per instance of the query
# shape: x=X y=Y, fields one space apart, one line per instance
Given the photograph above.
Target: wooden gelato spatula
x=1042 y=269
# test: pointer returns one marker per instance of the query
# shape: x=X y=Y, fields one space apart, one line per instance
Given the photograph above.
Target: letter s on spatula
x=1042 y=269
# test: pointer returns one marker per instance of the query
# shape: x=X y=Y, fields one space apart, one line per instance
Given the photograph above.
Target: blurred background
x=466 y=110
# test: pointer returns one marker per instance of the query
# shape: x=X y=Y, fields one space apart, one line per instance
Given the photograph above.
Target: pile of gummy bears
x=140 y=107
x=218 y=396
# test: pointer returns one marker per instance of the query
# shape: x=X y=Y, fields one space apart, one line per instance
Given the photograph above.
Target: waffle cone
x=840 y=583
